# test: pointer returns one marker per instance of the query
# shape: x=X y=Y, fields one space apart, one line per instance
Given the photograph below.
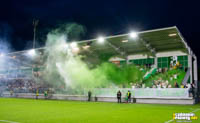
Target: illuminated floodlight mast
x=101 y=40
x=133 y=35
x=73 y=45
x=32 y=52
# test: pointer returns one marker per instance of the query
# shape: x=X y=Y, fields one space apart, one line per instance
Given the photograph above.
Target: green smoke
x=73 y=73
x=66 y=70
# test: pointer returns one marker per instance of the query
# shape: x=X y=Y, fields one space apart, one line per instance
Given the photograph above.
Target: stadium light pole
x=35 y=24
x=31 y=54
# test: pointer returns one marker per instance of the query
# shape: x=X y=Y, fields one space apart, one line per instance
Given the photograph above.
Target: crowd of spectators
x=18 y=85
x=21 y=85
x=162 y=84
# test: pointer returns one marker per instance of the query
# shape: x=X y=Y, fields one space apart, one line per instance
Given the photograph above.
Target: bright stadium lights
x=133 y=35
x=101 y=39
x=124 y=41
x=172 y=35
x=2 y=54
x=32 y=52
x=73 y=45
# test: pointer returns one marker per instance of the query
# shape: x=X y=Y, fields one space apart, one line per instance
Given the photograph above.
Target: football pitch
x=54 y=111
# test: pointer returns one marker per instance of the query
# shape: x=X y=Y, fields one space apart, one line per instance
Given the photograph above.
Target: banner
x=143 y=92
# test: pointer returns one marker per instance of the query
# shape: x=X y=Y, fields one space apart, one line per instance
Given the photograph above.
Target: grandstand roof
x=148 y=42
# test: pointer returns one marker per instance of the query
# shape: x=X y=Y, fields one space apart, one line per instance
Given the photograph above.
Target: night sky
x=109 y=17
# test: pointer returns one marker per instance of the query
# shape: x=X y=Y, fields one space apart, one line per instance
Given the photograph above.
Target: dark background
x=109 y=17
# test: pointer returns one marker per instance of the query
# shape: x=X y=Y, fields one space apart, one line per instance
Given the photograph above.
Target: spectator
x=169 y=86
x=176 y=85
x=37 y=94
x=159 y=85
x=11 y=93
x=191 y=90
x=119 y=94
x=89 y=95
x=45 y=94
x=129 y=96
x=182 y=86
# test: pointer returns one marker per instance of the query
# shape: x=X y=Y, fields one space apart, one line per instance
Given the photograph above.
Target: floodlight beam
x=73 y=45
x=133 y=35
x=32 y=52
x=101 y=39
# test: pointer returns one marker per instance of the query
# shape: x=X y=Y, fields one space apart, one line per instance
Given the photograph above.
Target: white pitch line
x=195 y=110
x=169 y=121
x=7 y=121
x=190 y=112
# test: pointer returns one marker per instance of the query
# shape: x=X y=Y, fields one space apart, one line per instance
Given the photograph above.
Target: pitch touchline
x=7 y=121
x=190 y=112
x=195 y=110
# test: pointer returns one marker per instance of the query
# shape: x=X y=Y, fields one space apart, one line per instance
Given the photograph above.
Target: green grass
x=54 y=111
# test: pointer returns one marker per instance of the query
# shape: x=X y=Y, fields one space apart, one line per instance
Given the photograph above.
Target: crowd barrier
x=144 y=92
x=139 y=95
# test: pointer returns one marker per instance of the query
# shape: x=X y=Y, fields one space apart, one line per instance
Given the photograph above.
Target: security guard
x=129 y=96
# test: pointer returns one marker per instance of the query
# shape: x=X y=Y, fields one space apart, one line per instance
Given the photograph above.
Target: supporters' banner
x=144 y=92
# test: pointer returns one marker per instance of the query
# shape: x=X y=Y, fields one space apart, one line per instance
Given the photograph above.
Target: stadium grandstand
x=166 y=68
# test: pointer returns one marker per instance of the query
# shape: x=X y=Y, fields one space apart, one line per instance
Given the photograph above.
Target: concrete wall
x=189 y=101
x=166 y=101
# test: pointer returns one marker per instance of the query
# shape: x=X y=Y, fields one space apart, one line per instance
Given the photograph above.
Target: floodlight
x=172 y=35
x=32 y=52
x=133 y=35
x=73 y=44
x=101 y=39
x=124 y=41
x=2 y=54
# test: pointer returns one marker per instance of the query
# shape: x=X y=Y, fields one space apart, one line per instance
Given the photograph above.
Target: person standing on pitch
x=89 y=95
x=37 y=94
x=45 y=94
x=119 y=95
x=129 y=96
